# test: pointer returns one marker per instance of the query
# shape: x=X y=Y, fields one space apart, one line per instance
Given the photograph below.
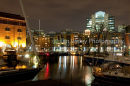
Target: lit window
x=7 y=29
x=19 y=30
x=99 y=14
x=19 y=38
x=7 y=37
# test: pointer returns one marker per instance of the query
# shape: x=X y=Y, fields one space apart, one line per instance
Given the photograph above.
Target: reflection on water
x=46 y=75
x=88 y=76
x=69 y=69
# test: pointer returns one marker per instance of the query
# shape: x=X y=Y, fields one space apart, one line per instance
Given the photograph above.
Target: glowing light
x=117 y=66
x=87 y=32
x=73 y=53
x=21 y=67
x=99 y=14
x=35 y=62
x=119 y=54
x=15 y=44
x=60 y=49
x=59 y=62
x=72 y=48
x=27 y=55
x=64 y=62
x=65 y=49
x=89 y=77
x=3 y=68
x=1 y=44
x=84 y=48
x=116 y=45
x=47 y=54
x=73 y=62
x=24 y=66
x=23 y=45
x=54 y=49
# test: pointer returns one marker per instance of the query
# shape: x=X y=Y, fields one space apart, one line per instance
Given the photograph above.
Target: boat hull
x=112 y=80
x=92 y=61
x=20 y=75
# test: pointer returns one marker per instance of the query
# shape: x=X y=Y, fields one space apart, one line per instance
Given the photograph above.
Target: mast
x=39 y=34
x=27 y=25
x=39 y=26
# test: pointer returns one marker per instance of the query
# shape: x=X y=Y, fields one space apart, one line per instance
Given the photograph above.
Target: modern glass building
x=101 y=18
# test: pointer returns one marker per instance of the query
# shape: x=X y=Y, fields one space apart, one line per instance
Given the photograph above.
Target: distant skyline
x=58 y=15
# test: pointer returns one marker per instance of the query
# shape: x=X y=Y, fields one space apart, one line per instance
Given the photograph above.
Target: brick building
x=12 y=31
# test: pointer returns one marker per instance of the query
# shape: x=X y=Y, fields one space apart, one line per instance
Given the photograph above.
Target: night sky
x=58 y=15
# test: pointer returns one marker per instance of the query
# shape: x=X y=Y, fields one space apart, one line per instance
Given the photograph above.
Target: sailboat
x=7 y=76
x=112 y=74
x=19 y=73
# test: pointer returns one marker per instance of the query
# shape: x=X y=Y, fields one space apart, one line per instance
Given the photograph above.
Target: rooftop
x=9 y=15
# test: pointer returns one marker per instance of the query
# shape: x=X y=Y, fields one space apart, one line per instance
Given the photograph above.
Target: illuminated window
x=7 y=29
x=7 y=37
x=19 y=30
x=19 y=38
x=99 y=14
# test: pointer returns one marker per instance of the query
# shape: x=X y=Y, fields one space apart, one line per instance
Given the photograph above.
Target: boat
x=112 y=74
x=90 y=60
x=10 y=57
x=97 y=61
x=9 y=76
x=114 y=78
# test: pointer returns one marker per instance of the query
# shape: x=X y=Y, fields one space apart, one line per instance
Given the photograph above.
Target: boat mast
x=39 y=34
x=27 y=25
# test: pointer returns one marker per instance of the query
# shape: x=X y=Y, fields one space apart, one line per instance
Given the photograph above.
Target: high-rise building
x=121 y=28
x=100 y=18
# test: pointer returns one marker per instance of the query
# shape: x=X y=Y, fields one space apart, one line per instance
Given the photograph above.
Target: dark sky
x=57 y=15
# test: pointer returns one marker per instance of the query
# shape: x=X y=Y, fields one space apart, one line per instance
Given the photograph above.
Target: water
x=69 y=69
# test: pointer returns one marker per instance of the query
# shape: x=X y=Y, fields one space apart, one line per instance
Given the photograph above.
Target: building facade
x=100 y=18
x=12 y=31
x=127 y=39
x=66 y=41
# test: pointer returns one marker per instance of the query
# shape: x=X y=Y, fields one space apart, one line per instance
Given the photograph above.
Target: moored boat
x=18 y=75
x=113 y=74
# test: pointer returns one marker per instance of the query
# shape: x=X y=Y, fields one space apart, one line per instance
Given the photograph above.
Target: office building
x=101 y=20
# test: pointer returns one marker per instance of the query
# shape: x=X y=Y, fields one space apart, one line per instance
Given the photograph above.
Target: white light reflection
x=54 y=48
x=89 y=77
x=72 y=62
x=84 y=48
x=59 y=62
x=59 y=48
x=35 y=62
x=64 y=62
x=65 y=49
x=81 y=62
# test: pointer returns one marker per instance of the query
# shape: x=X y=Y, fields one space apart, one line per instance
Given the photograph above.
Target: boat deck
x=123 y=60
x=117 y=74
